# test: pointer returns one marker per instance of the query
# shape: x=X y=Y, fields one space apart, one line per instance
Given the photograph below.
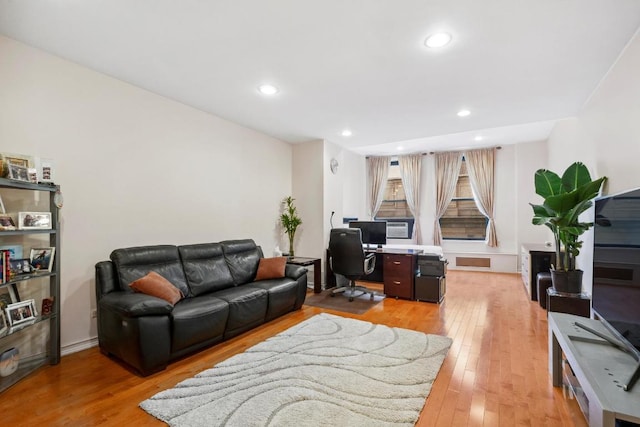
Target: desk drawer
x=398 y=264
x=399 y=272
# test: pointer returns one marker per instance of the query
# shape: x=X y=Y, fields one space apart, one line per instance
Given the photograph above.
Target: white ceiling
x=518 y=65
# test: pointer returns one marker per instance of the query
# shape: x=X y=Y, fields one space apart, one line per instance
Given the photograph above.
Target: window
x=463 y=220
x=394 y=207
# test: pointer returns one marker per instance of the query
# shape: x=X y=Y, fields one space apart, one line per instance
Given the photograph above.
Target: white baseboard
x=79 y=346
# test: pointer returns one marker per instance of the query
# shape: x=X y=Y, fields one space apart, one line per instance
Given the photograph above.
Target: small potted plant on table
x=290 y=221
x=564 y=200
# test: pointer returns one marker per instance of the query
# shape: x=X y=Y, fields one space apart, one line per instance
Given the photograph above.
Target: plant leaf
x=547 y=183
x=575 y=176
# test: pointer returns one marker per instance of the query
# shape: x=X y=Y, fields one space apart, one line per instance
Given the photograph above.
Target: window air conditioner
x=398 y=230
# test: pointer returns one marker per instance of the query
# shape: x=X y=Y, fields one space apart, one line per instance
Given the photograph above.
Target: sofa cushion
x=282 y=295
x=247 y=308
x=198 y=319
x=271 y=268
x=155 y=285
x=205 y=268
x=242 y=258
x=134 y=263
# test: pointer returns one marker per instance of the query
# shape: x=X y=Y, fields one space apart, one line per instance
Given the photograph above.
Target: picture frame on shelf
x=18 y=173
x=47 y=306
x=6 y=222
x=21 y=312
x=2 y=209
x=19 y=267
x=33 y=175
x=45 y=170
x=18 y=160
x=41 y=259
x=34 y=220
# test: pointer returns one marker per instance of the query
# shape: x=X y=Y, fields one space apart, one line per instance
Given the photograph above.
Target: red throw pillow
x=155 y=285
x=271 y=268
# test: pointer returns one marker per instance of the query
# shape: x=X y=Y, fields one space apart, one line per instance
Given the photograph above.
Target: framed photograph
x=47 y=306
x=41 y=259
x=18 y=160
x=33 y=175
x=45 y=170
x=34 y=220
x=20 y=266
x=18 y=173
x=6 y=222
x=2 y=209
x=21 y=312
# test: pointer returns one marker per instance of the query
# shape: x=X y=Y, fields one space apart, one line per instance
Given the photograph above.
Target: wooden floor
x=495 y=373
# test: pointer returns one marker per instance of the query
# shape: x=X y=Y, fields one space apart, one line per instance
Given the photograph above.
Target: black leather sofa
x=221 y=300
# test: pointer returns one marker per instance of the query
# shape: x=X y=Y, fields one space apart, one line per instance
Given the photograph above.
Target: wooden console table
x=596 y=368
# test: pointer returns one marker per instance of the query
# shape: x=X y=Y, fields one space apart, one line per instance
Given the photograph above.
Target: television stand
x=598 y=371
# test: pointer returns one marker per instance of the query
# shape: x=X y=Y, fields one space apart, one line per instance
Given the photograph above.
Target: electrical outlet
x=94 y=313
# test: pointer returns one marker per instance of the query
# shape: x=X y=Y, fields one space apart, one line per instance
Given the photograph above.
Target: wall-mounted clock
x=333 y=165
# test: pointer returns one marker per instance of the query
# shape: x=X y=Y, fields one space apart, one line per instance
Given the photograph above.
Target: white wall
x=135 y=169
x=605 y=136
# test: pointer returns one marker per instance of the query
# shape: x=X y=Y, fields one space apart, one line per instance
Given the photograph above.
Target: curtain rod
x=433 y=152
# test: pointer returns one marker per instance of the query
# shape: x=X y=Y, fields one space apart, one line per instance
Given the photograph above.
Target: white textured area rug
x=325 y=371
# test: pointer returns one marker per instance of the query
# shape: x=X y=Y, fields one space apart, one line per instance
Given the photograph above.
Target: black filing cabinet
x=430 y=281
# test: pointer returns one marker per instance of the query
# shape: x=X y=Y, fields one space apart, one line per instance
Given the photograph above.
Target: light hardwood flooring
x=495 y=373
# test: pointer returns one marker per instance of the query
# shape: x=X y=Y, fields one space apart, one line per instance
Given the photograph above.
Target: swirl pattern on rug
x=327 y=370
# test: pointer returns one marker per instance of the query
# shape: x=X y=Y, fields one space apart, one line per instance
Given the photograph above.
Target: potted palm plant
x=290 y=221
x=564 y=200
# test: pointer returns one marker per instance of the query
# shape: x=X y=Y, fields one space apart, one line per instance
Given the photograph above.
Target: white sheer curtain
x=410 y=170
x=377 y=173
x=447 y=171
x=481 y=168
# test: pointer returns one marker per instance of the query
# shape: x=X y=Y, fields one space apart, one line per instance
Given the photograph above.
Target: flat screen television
x=373 y=232
x=616 y=268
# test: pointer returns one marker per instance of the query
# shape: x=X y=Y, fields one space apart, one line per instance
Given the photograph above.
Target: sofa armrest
x=130 y=304
x=294 y=271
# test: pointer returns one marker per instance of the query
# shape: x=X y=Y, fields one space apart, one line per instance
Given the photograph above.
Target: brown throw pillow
x=157 y=286
x=271 y=268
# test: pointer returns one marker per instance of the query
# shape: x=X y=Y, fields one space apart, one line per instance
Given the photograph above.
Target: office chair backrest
x=347 y=254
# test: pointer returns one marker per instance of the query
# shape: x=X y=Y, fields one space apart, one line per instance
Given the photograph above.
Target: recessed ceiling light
x=464 y=113
x=267 y=89
x=438 y=40
x=346 y=132
x=400 y=148
x=478 y=138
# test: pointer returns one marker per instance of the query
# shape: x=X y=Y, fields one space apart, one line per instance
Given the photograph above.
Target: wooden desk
x=317 y=266
x=396 y=268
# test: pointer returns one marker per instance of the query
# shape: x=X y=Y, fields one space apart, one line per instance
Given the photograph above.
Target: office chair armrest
x=369 y=263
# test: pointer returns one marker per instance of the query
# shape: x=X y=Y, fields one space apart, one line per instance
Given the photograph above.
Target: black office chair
x=348 y=259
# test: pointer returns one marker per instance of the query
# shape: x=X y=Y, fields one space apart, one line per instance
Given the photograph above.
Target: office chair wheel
x=350 y=299
x=332 y=294
x=371 y=298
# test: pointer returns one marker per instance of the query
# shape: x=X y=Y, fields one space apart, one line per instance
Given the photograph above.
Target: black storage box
x=428 y=266
x=430 y=288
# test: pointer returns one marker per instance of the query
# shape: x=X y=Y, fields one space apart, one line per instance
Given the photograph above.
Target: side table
x=317 y=266
x=577 y=304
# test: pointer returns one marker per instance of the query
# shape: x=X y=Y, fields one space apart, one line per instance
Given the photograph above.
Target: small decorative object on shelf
x=7 y=223
x=47 y=306
x=18 y=173
x=42 y=258
x=9 y=361
x=19 y=267
x=4 y=325
x=34 y=220
x=58 y=200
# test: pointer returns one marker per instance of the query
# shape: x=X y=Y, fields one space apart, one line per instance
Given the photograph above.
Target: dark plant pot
x=567 y=282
